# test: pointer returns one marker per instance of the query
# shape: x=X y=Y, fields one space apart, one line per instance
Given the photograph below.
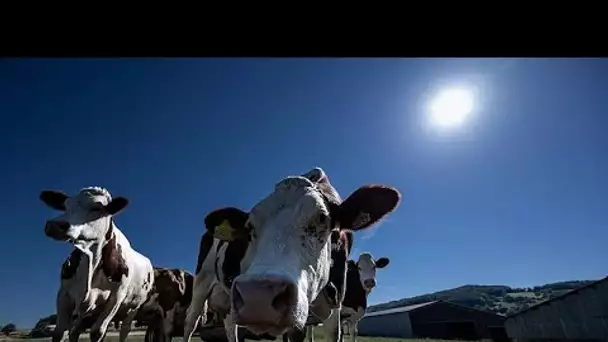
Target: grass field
x=318 y=337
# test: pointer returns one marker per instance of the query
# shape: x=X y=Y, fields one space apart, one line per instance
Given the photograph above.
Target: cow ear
x=117 y=205
x=227 y=224
x=54 y=199
x=367 y=205
x=382 y=262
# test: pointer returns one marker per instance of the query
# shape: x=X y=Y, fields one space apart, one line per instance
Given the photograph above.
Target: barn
x=581 y=314
x=436 y=320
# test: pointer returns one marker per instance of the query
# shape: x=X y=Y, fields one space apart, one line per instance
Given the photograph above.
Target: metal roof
x=399 y=309
x=560 y=297
x=418 y=306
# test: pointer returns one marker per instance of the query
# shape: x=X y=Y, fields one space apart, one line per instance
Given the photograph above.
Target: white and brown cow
x=118 y=277
x=165 y=311
x=265 y=268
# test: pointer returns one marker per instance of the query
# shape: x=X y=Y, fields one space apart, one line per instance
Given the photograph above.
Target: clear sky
x=518 y=195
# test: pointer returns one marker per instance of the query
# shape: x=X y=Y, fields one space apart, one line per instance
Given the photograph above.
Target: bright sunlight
x=451 y=107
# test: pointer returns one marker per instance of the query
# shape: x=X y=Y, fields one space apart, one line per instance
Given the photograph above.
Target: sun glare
x=451 y=107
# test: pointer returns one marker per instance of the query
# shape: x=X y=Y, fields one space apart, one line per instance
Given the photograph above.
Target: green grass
x=318 y=337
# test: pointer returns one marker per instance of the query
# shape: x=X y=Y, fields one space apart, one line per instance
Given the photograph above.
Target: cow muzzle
x=369 y=283
x=264 y=304
x=57 y=230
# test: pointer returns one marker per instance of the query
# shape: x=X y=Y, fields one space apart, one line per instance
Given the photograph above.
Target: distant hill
x=496 y=298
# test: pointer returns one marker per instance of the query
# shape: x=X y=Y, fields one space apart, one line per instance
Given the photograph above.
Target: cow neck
x=110 y=232
x=109 y=235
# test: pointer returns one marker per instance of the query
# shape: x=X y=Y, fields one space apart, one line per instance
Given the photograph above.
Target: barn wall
x=441 y=319
x=582 y=315
x=391 y=325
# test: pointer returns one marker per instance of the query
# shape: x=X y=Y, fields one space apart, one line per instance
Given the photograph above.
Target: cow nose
x=56 y=229
x=264 y=302
x=369 y=283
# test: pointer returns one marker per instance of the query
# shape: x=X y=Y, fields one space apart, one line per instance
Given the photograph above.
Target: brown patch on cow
x=113 y=264
x=335 y=289
x=69 y=267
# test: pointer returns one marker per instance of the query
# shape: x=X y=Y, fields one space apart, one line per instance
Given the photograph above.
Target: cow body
x=118 y=278
x=266 y=268
x=165 y=311
x=74 y=272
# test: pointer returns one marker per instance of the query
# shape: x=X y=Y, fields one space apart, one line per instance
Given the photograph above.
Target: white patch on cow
x=367 y=269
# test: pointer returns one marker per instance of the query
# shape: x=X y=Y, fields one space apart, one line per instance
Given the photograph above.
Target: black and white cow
x=118 y=278
x=360 y=280
x=266 y=268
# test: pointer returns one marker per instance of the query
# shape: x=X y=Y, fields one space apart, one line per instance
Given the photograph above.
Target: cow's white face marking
x=292 y=229
x=86 y=217
x=367 y=269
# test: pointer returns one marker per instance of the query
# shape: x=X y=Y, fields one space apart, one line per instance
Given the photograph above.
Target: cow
x=360 y=280
x=264 y=268
x=118 y=278
x=165 y=310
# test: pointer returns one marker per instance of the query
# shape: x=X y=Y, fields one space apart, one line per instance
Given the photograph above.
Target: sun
x=451 y=107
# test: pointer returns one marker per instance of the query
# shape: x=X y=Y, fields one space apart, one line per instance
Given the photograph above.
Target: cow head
x=86 y=218
x=367 y=269
x=290 y=248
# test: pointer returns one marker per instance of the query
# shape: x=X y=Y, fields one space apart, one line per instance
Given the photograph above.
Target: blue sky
x=516 y=196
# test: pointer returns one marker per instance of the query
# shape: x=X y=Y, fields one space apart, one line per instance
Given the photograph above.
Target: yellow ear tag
x=224 y=231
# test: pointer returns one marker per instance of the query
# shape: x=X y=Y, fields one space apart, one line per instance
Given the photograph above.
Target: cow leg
x=99 y=329
x=168 y=323
x=155 y=331
x=197 y=309
x=345 y=329
x=231 y=329
x=311 y=333
x=77 y=328
x=65 y=307
x=125 y=326
x=295 y=335
x=354 y=331
x=332 y=326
